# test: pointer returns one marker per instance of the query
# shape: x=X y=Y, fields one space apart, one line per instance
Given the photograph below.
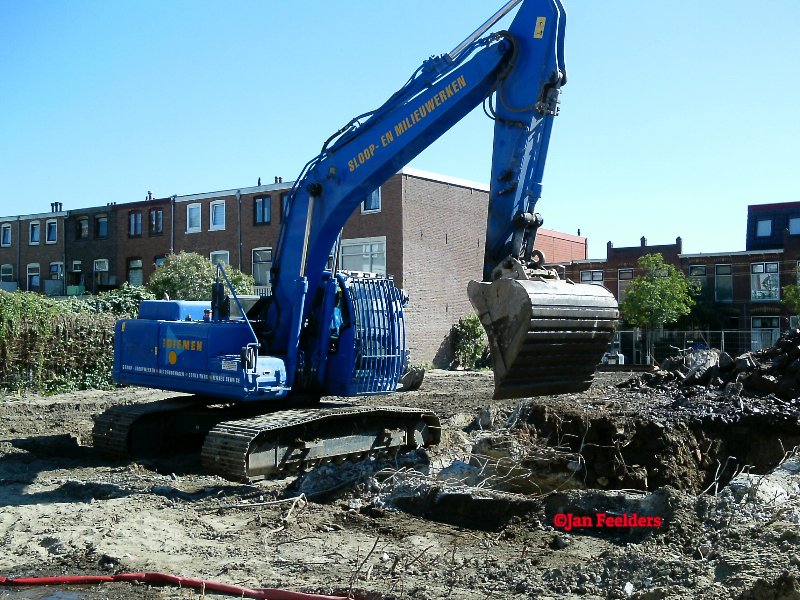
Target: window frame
x=38 y=226
x=285 y=207
x=717 y=276
x=155 y=226
x=135 y=223
x=28 y=274
x=97 y=219
x=368 y=211
x=189 y=208
x=266 y=210
x=211 y=207
x=789 y=225
x=361 y=242
x=6 y=227
x=591 y=279
x=623 y=283
x=47 y=225
x=767 y=268
x=129 y=267
x=253 y=263
x=758 y=228
x=225 y=252
x=59 y=271
x=79 y=222
x=4 y=273
x=99 y=261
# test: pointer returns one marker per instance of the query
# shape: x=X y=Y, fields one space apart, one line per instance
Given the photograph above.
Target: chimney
x=679 y=244
x=643 y=240
x=149 y=195
x=609 y=248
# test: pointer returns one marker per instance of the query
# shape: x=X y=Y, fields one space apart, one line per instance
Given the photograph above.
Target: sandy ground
x=64 y=510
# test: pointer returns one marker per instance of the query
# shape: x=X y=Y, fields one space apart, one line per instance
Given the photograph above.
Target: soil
x=408 y=529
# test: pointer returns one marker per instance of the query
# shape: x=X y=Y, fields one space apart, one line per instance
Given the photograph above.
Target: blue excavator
x=257 y=373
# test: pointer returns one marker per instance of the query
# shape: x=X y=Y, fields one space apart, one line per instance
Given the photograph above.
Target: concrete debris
x=774 y=370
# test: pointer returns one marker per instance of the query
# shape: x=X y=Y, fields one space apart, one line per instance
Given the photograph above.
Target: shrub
x=468 y=340
x=188 y=276
x=123 y=302
x=45 y=347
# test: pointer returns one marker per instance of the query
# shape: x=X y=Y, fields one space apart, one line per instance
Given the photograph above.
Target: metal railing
x=665 y=344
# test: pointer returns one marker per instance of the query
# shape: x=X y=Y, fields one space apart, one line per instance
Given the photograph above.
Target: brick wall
x=388 y=222
x=43 y=253
x=560 y=247
x=91 y=247
x=145 y=246
x=444 y=229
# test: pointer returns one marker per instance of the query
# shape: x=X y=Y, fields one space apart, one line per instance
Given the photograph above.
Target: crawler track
x=246 y=442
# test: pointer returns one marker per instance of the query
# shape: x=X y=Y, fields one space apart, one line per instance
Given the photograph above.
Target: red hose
x=262 y=593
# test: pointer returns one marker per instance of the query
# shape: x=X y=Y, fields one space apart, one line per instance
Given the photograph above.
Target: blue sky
x=676 y=116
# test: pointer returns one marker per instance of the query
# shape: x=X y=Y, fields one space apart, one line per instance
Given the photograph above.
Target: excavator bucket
x=546 y=336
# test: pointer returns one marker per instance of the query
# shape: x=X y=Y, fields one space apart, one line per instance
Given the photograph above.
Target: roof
x=775 y=206
x=444 y=179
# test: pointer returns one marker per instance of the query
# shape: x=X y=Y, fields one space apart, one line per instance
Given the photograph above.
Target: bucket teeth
x=546 y=336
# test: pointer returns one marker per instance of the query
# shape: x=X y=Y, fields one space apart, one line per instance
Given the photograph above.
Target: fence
x=633 y=344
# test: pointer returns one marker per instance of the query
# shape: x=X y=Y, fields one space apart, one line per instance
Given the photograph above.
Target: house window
x=262 y=263
x=101 y=271
x=135 y=223
x=364 y=254
x=56 y=270
x=764 y=281
x=794 y=226
x=723 y=283
x=625 y=277
x=158 y=260
x=372 y=202
x=764 y=228
x=285 y=205
x=593 y=277
x=51 y=232
x=33 y=277
x=764 y=332
x=101 y=227
x=7 y=273
x=33 y=237
x=697 y=275
x=262 y=210
x=193 y=218
x=82 y=230
x=220 y=256
x=5 y=238
x=156 y=221
x=217 y=215
x=135 y=271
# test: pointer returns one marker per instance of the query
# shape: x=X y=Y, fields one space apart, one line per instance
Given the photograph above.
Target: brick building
x=427 y=231
x=749 y=283
x=32 y=252
x=91 y=250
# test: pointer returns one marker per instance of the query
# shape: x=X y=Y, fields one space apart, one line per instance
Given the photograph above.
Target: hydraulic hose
x=200 y=584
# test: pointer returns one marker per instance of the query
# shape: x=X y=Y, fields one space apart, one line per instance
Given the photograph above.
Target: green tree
x=706 y=313
x=660 y=296
x=188 y=276
x=791 y=295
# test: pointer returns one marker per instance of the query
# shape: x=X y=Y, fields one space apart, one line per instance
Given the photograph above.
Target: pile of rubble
x=775 y=370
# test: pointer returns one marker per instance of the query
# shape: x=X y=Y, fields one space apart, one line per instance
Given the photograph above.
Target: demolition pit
x=678 y=482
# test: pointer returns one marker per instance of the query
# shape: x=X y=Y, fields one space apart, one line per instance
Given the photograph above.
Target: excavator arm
x=523 y=70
